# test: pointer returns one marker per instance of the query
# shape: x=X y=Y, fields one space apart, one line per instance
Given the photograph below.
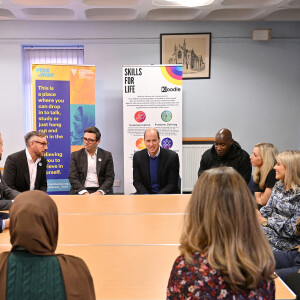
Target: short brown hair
x=30 y=135
x=93 y=129
x=221 y=220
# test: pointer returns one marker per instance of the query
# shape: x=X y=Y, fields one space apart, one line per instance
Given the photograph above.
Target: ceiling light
x=191 y=3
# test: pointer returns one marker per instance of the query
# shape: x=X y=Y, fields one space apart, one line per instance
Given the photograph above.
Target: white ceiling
x=149 y=10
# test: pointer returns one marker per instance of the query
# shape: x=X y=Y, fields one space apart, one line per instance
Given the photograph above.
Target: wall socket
x=117 y=183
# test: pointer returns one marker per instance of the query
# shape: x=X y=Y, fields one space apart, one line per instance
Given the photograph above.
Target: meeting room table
x=129 y=242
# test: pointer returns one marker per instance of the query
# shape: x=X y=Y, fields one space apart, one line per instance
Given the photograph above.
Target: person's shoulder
x=44 y=159
x=17 y=154
x=180 y=260
x=272 y=173
x=78 y=152
x=140 y=153
x=72 y=258
x=209 y=151
x=100 y=150
x=168 y=152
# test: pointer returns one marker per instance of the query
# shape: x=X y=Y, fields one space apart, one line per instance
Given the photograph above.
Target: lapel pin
x=40 y=164
x=99 y=159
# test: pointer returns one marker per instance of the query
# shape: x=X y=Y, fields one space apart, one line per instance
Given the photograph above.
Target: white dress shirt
x=91 y=176
x=32 y=166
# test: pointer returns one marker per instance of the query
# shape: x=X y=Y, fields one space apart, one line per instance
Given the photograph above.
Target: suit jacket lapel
x=160 y=164
x=146 y=166
x=38 y=174
x=26 y=169
x=83 y=157
x=99 y=161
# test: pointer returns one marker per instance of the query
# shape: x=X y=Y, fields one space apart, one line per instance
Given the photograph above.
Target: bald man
x=226 y=152
x=155 y=169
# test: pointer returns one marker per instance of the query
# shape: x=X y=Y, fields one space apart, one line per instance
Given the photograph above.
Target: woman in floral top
x=280 y=214
x=224 y=252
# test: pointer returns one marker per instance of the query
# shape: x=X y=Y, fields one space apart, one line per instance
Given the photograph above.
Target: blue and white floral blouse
x=282 y=211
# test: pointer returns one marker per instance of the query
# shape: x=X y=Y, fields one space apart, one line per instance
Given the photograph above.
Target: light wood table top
x=128 y=242
x=117 y=229
x=121 y=204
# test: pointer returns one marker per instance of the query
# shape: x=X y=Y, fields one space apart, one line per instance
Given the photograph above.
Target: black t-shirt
x=270 y=182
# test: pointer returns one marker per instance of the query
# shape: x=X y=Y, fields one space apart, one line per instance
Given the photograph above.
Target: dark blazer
x=168 y=172
x=6 y=195
x=16 y=173
x=104 y=168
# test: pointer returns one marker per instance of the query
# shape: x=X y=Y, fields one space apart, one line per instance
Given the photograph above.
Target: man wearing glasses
x=26 y=170
x=91 y=168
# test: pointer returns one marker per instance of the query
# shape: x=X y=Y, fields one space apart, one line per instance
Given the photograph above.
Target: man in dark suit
x=155 y=169
x=6 y=196
x=26 y=170
x=91 y=168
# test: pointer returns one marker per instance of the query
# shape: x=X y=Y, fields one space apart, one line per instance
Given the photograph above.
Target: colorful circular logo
x=172 y=73
x=140 y=116
x=166 y=116
x=167 y=143
x=140 y=144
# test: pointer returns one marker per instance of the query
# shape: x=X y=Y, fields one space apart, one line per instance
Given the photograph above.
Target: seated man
x=4 y=221
x=226 y=152
x=26 y=170
x=6 y=197
x=6 y=193
x=155 y=169
x=91 y=168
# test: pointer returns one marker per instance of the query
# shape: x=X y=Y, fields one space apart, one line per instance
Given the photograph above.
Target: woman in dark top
x=263 y=158
x=224 y=252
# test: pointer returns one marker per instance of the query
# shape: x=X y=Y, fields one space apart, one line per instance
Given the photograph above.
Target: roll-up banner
x=152 y=97
x=63 y=106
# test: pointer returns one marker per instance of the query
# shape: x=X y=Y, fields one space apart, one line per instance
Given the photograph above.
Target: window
x=68 y=55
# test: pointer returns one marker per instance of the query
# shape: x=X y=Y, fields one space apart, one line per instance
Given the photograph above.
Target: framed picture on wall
x=192 y=50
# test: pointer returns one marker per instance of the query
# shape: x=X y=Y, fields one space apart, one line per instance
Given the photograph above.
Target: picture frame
x=192 y=50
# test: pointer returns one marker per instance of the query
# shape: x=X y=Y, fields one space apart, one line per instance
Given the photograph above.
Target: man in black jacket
x=155 y=169
x=226 y=152
x=26 y=170
x=6 y=196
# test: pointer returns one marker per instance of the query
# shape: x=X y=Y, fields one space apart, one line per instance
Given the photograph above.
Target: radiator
x=191 y=156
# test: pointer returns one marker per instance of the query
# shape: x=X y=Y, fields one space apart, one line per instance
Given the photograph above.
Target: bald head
x=223 y=141
x=151 y=131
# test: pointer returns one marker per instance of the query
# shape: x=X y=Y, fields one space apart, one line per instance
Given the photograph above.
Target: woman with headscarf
x=224 y=253
x=32 y=270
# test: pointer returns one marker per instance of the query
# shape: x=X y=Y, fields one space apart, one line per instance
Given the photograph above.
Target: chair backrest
x=31 y=277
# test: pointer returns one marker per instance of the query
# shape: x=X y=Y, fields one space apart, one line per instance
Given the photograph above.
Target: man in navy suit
x=155 y=169
x=91 y=168
x=26 y=170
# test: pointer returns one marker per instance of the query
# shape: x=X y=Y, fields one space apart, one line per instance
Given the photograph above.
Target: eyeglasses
x=42 y=143
x=88 y=140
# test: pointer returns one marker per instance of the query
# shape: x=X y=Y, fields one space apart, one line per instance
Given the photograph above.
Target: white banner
x=152 y=97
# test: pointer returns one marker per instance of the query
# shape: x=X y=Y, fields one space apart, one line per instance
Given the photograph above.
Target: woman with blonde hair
x=279 y=216
x=263 y=158
x=224 y=252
